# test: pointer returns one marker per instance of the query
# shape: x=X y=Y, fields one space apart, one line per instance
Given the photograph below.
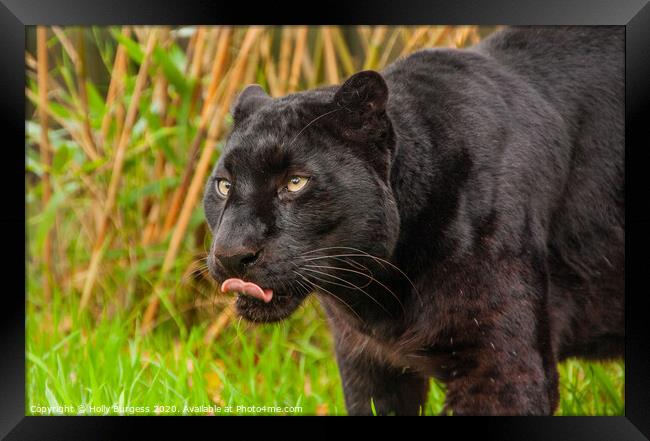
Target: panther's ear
x=251 y=98
x=361 y=104
x=363 y=94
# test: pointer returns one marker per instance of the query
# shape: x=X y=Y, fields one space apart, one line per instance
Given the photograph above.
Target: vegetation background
x=123 y=124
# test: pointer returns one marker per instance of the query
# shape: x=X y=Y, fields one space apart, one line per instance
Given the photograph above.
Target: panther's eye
x=223 y=186
x=296 y=183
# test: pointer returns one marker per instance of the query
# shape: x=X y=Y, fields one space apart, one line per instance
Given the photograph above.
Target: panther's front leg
x=366 y=379
x=502 y=361
x=500 y=381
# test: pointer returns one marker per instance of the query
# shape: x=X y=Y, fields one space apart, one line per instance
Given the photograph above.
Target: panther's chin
x=278 y=308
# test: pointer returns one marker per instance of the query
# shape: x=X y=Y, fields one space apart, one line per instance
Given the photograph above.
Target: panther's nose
x=238 y=261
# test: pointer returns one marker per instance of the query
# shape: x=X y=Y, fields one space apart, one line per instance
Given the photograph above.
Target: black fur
x=464 y=217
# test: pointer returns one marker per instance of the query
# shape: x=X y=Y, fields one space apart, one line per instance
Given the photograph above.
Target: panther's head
x=300 y=196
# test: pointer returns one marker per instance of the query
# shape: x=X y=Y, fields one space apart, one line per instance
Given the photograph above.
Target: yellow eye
x=223 y=187
x=296 y=183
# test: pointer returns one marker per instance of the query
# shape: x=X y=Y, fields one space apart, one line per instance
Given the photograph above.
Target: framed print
x=424 y=210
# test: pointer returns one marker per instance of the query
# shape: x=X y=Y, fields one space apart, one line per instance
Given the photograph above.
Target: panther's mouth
x=247 y=288
x=262 y=305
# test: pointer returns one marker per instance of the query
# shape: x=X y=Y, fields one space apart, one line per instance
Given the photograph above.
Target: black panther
x=459 y=215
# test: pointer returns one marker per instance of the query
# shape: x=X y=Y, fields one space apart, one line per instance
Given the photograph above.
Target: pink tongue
x=248 y=288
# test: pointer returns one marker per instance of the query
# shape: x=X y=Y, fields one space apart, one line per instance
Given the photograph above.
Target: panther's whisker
x=305 y=287
x=332 y=248
x=315 y=285
x=378 y=259
x=350 y=285
x=353 y=264
x=372 y=279
x=357 y=266
x=200 y=271
x=356 y=250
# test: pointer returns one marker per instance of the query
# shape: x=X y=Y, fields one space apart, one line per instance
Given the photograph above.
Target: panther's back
x=580 y=70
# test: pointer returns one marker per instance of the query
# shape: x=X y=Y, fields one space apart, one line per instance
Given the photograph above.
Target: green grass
x=82 y=362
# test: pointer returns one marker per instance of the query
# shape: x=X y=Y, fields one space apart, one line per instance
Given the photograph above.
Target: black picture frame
x=15 y=15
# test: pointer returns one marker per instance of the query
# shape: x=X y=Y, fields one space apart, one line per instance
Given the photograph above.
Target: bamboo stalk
x=388 y=49
x=83 y=91
x=117 y=171
x=161 y=104
x=269 y=65
x=199 y=176
x=170 y=119
x=250 y=75
x=330 y=56
x=343 y=51
x=444 y=33
x=298 y=56
x=475 y=36
x=211 y=40
x=195 y=67
x=150 y=229
x=209 y=108
x=120 y=111
x=89 y=184
x=364 y=36
x=318 y=59
x=67 y=44
x=160 y=98
x=116 y=86
x=285 y=53
x=31 y=63
x=218 y=67
x=412 y=41
x=462 y=34
x=378 y=35
x=308 y=71
x=46 y=155
x=189 y=55
x=436 y=34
